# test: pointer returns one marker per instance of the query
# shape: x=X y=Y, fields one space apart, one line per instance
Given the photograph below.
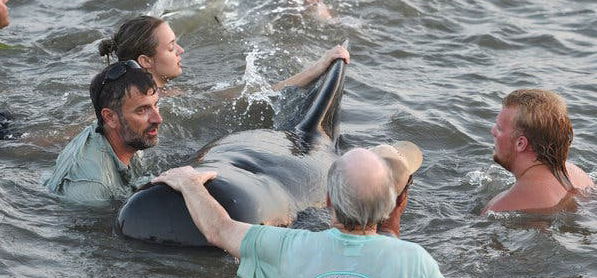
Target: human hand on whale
x=305 y=77
x=207 y=214
x=185 y=178
x=337 y=52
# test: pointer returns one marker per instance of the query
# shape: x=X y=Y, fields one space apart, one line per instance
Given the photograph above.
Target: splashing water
x=257 y=88
x=171 y=7
x=478 y=177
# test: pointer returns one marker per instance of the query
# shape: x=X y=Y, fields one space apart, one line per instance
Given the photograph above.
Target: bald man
x=362 y=192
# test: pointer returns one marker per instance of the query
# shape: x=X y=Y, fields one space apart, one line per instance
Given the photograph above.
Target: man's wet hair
x=109 y=93
x=542 y=117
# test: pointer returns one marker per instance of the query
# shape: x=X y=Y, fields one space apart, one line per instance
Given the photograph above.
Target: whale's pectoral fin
x=322 y=114
x=152 y=213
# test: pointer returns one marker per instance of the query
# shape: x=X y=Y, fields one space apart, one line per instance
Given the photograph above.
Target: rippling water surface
x=432 y=72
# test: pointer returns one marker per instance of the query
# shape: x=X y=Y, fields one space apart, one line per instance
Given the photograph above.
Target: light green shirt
x=280 y=252
x=89 y=170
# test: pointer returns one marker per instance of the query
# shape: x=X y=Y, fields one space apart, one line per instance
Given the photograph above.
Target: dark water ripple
x=432 y=72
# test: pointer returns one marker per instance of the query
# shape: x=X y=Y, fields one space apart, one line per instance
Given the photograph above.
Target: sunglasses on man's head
x=119 y=69
x=114 y=73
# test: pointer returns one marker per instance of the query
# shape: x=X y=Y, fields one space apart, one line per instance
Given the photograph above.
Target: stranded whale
x=264 y=176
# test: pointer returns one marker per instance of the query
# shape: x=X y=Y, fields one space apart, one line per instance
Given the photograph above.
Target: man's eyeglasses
x=114 y=73
x=408 y=183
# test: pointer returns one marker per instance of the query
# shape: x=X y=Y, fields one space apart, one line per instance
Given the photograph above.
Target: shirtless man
x=4 y=117
x=532 y=138
x=4 y=18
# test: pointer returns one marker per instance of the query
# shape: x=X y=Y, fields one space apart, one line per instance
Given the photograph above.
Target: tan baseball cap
x=403 y=157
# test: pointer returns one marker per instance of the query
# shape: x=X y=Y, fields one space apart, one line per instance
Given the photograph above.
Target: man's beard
x=504 y=162
x=138 y=141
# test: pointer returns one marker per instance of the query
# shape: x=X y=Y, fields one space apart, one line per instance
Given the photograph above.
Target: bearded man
x=532 y=138
x=103 y=160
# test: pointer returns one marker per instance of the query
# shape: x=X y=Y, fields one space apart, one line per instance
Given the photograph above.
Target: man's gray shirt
x=89 y=170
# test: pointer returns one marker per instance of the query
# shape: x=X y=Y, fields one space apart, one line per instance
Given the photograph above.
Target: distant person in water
x=362 y=190
x=4 y=16
x=103 y=161
x=318 y=9
x=151 y=42
x=532 y=137
x=4 y=118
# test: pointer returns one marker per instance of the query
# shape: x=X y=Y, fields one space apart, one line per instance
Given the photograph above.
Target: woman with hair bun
x=151 y=42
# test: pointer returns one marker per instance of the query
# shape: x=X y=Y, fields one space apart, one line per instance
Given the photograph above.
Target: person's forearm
x=213 y=220
x=307 y=76
x=301 y=79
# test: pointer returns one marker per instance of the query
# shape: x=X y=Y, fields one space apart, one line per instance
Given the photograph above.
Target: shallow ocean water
x=431 y=72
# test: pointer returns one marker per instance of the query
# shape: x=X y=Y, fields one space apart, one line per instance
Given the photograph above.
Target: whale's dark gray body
x=264 y=176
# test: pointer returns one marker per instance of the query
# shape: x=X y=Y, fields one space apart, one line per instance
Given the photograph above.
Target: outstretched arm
x=305 y=77
x=209 y=216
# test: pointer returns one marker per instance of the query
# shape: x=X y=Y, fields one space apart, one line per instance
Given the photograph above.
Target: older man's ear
x=391 y=226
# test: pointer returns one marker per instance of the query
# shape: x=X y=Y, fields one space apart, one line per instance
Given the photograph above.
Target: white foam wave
x=257 y=87
x=478 y=177
x=169 y=7
x=488 y=175
x=502 y=215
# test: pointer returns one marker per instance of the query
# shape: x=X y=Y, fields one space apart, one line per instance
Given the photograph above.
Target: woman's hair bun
x=107 y=46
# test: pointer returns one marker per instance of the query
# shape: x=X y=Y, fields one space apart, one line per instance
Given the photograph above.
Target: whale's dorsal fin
x=322 y=114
